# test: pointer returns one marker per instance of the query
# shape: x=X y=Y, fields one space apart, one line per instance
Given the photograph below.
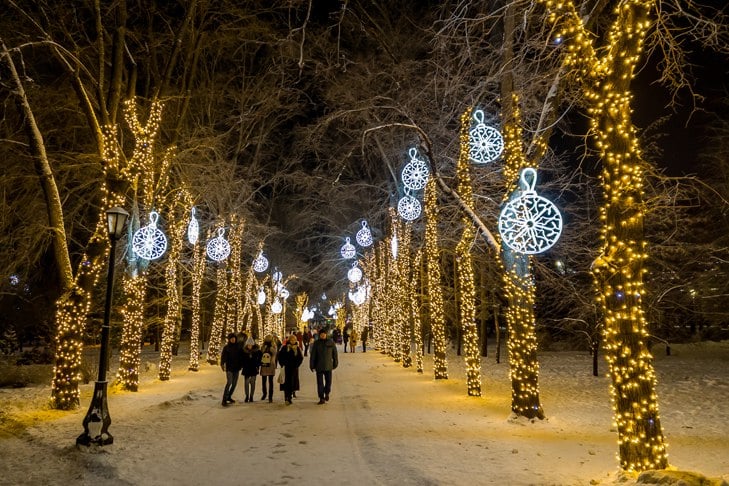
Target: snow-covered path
x=383 y=425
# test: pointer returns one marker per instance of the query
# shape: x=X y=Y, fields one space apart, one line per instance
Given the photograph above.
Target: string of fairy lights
x=435 y=290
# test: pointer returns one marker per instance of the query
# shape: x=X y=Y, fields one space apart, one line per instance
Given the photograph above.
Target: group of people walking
x=250 y=360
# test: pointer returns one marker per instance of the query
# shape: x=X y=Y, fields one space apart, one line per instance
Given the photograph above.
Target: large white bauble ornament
x=261 y=299
x=364 y=236
x=348 y=250
x=276 y=307
x=284 y=293
x=193 y=228
x=277 y=276
x=408 y=208
x=530 y=224
x=260 y=263
x=354 y=274
x=218 y=248
x=415 y=174
x=149 y=242
x=358 y=296
x=485 y=143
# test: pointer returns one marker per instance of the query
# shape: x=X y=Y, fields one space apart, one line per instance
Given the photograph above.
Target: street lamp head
x=116 y=218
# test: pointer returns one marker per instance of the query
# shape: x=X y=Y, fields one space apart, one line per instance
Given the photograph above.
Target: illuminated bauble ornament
x=284 y=293
x=393 y=246
x=530 y=224
x=260 y=263
x=364 y=236
x=348 y=250
x=261 y=296
x=277 y=276
x=331 y=311
x=276 y=307
x=358 y=296
x=486 y=143
x=415 y=174
x=323 y=296
x=148 y=241
x=305 y=314
x=193 y=228
x=408 y=208
x=354 y=274
x=218 y=248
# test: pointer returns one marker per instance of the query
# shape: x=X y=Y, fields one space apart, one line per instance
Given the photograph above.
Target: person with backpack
x=323 y=359
x=251 y=363
x=268 y=366
x=231 y=361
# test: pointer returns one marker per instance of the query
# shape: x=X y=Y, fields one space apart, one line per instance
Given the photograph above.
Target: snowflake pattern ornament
x=486 y=143
x=149 y=242
x=530 y=224
x=415 y=174
x=354 y=274
x=218 y=248
x=193 y=228
x=260 y=263
x=364 y=236
x=408 y=208
x=348 y=250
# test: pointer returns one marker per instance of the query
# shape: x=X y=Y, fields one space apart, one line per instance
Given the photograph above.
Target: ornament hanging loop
x=478 y=116
x=528 y=179
x=413 y=153
x=153 y=217
x=192 y=211
x=221 y=232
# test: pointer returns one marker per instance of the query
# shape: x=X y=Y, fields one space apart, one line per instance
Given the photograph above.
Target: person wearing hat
x=251 y=364
x=268 y=366
x=290 y=358
x=323 y=359
x=231 y=361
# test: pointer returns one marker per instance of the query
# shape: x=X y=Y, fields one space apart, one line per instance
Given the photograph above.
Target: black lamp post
x=97 y=420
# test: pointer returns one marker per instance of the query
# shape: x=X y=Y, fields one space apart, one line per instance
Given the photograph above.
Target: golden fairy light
x=435 y=290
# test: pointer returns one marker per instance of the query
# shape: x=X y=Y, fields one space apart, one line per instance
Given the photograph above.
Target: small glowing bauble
x=331 y=311
x=261 y=297
x=323 y=296
x=149 y=242
x=358 y=296
x=415 y=174
x=260 y=264
x=364 y=236
x=218 y=248
x=486 y=143
x=408 y=208
x=284 y=293
x=193 y=228
x=354 y=274
x=306 y=314
x=348 y=250
x=530 y=224
x=277 y=276
x=393 y=246
x=276 y=307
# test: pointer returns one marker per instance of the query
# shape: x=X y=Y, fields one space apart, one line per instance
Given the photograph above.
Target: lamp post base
x=97 y=420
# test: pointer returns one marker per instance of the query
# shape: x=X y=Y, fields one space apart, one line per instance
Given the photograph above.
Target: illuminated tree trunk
x=198 y=273
x=406 y=295
x=415 y=309
x=216 y=333
x=172 y=314
x=235 y=295
x=464 y=266
x=619 y=270
x=435 y=291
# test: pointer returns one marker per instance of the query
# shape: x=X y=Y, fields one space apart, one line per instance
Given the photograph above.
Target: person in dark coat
x=364 y=337
x=231 y=361
x=323 y=359
x=345 y=338
x=290 y=358
x=307 y=341
x=251 y=363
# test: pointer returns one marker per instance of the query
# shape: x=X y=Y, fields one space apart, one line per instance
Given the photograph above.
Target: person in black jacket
x=323 y=359
x=231 y=361
x=251 y=363
x=290 y=358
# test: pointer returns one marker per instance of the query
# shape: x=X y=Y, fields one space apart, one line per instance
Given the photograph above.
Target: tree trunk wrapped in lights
x=519 y=287
x=406 y=294
x=618 y=272
x=176 y=229
x=221 y=298
x=435 y=291
x=415 y=303
x=464 y=266
x=235 y=294
x=199 y=262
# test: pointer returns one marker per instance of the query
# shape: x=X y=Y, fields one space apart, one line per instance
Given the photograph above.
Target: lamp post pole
x=97 y=420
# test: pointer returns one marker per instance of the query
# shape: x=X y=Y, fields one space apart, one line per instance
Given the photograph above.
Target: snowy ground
x=384 y=425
